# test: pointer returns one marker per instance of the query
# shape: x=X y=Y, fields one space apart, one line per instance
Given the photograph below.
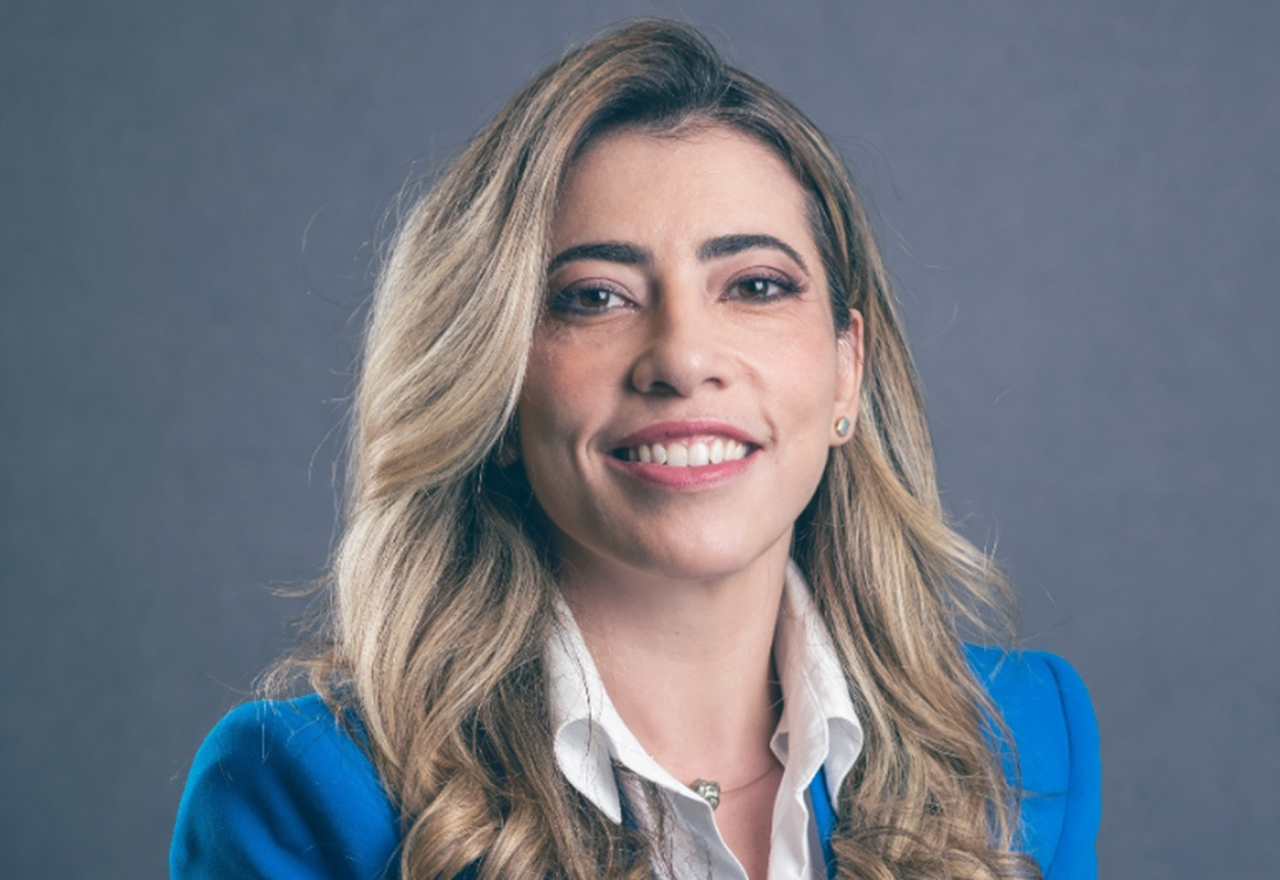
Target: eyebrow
x=609 y=252
x=728 y=245
x=711 y=249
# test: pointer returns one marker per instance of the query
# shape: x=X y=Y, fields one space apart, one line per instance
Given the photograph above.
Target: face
x=686 y=378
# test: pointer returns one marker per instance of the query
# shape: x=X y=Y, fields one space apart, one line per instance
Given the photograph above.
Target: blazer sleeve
x=1057 y=770
x=280 y=790
x=1075 y=855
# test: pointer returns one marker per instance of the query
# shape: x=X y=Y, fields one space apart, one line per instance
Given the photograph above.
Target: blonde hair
x=438 y=595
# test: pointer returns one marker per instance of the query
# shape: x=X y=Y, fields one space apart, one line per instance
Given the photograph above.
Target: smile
x=691 y=453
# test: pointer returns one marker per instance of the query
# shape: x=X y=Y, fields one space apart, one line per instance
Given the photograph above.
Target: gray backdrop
x=1079 y=204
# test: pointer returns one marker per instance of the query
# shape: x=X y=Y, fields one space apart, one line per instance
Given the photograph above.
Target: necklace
x=711 y=792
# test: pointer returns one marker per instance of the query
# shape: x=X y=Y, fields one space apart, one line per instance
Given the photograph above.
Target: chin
x=701 y=557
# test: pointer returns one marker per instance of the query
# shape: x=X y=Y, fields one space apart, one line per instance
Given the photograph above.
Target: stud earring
x=842 y=427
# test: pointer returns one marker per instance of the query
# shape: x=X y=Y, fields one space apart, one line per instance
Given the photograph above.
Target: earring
x=842 y=427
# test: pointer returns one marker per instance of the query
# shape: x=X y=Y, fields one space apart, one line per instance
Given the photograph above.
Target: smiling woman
x=644 y=571
x=683 y=321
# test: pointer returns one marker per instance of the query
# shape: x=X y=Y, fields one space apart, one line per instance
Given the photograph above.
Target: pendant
x=707 y=790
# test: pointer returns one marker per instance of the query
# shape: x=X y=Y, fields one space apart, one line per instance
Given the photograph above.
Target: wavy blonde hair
x=438 y=598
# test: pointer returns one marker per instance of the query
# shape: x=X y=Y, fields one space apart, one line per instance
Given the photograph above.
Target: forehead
x=704 y=182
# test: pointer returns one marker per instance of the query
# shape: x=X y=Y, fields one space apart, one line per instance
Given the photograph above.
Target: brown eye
x=594 y=298
x=761 y=288
x=586 y=300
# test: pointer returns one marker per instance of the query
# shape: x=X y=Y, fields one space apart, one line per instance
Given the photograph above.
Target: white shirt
x=818 y=728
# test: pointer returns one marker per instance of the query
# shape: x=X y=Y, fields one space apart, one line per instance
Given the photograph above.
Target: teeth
x=697 y=454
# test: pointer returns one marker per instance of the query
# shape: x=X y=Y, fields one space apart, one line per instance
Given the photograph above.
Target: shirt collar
x=818 y=728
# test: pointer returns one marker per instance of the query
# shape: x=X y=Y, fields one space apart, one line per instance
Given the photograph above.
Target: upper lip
x=679 y=430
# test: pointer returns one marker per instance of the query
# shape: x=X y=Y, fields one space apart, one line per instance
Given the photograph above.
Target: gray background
x=1079 y=204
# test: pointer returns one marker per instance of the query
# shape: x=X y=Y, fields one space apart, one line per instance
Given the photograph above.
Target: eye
x=586 y=299
x=762 y=288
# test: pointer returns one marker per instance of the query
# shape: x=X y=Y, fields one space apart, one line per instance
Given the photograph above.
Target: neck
x=688 y=663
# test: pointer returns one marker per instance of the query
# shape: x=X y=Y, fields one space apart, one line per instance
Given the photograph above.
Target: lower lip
x=667 y=477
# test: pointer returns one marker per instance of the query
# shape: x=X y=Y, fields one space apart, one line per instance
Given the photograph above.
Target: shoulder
x=1057 y=768
x=280 y=789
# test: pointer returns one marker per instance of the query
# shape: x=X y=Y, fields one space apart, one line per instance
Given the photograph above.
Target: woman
x=645 y=570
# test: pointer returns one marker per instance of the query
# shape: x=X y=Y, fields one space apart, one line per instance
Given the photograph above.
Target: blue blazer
x=278 y=790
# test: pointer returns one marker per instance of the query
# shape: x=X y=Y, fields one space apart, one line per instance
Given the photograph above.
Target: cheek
x=544 y=390
x=542 y=442
x=805 y=380
x=553 y=407
x=810 y=391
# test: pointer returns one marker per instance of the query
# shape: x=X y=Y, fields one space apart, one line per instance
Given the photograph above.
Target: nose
x=683 y=351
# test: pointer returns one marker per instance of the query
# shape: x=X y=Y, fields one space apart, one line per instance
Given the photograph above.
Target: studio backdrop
x=1078 y=203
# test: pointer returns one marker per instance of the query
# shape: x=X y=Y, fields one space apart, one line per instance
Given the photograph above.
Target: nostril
x=660 y=388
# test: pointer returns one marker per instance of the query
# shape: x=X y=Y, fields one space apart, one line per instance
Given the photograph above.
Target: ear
x=849 y=351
